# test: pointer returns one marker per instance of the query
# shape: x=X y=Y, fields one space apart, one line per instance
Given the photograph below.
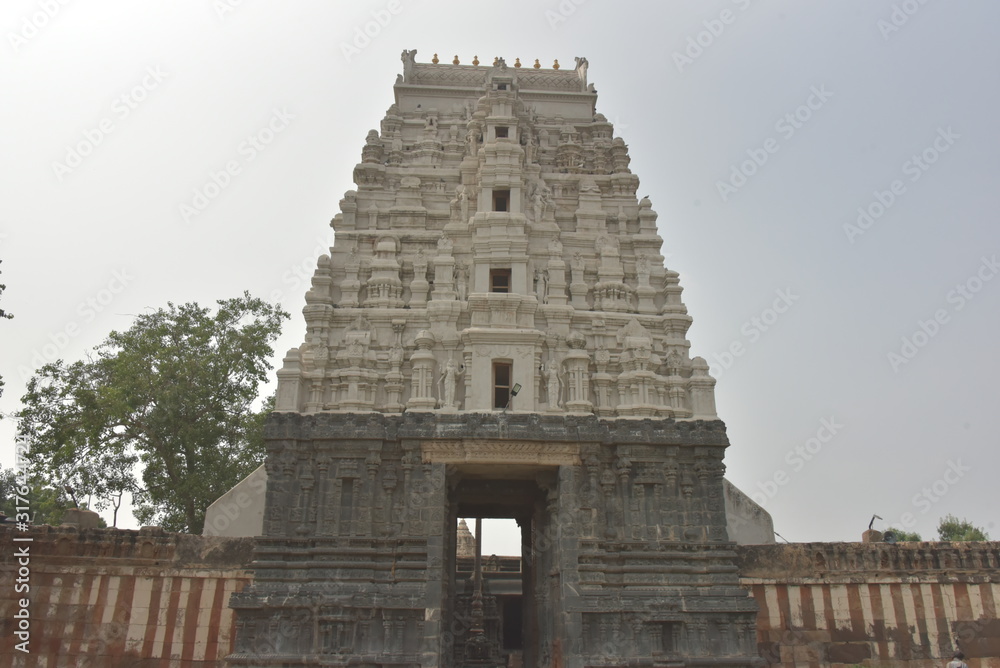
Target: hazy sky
x=759 y=129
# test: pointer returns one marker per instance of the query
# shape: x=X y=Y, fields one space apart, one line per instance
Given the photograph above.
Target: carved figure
x=420 y=266
x=530 y=148
x=472 y=138
x=409 y=58
x=606 y=245
x=449 y=379
x=548 y=204
x=541 y=286
x=537 y=205
x=674 y=363
x=553 y=384
x=463 y=202
x=455 y=208
x=462 y=280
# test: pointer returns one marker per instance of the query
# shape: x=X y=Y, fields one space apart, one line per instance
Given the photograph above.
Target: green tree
x=950 y=528
x=46 y=504
x=170 y=398
x=74 y=437
x=907 y=536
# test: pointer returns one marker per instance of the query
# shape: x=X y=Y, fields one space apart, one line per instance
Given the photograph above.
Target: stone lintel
x=422 y=426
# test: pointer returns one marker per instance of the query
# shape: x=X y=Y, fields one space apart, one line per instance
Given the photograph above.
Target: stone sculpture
x=449 y=382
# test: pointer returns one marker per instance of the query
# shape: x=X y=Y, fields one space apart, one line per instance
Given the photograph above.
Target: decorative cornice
x=483 y=451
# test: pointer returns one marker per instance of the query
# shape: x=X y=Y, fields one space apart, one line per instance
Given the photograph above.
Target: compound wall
x=106 y=598
x=875 y=604
x=110 y=598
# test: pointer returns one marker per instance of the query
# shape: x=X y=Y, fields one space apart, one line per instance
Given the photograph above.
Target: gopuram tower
x=494 y=335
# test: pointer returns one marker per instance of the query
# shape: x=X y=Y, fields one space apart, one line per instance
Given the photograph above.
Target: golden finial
x=496 y=60
x=475 y=60
x=435 y=59
x=517 y=62
x=455 y=62
x=537 y=64
x=555 y=65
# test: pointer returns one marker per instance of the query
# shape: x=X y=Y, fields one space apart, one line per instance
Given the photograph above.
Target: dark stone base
x=626 y=558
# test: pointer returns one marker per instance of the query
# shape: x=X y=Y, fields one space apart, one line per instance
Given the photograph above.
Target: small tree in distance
x=906 y=536
x=950 y=528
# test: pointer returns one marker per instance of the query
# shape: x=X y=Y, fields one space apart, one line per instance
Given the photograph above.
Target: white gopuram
x=495 y=240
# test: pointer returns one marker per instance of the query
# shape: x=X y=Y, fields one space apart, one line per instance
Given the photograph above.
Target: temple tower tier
x=494 y=335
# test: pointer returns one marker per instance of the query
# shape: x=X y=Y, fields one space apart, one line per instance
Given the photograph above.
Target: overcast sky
x=758 y=129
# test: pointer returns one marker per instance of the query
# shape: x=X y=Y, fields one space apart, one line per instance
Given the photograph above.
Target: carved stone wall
x=629 y=549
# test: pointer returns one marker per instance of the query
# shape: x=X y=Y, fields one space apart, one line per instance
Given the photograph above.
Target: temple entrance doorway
x=492 y=609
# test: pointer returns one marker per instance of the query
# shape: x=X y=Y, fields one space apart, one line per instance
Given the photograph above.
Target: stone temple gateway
x=494 y=335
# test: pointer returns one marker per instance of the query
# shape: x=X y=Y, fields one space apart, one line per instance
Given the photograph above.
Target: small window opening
x=501 y=200
x=501 y=384
x=501 y=86
x=499 y=280
x=502 y=132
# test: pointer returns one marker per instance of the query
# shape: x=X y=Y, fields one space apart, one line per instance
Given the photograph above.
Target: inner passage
x=501 y=578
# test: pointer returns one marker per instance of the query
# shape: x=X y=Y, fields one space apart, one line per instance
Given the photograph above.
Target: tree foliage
x=907 y=536
x=950 y=528
x=46 y=504
x=169 y=398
